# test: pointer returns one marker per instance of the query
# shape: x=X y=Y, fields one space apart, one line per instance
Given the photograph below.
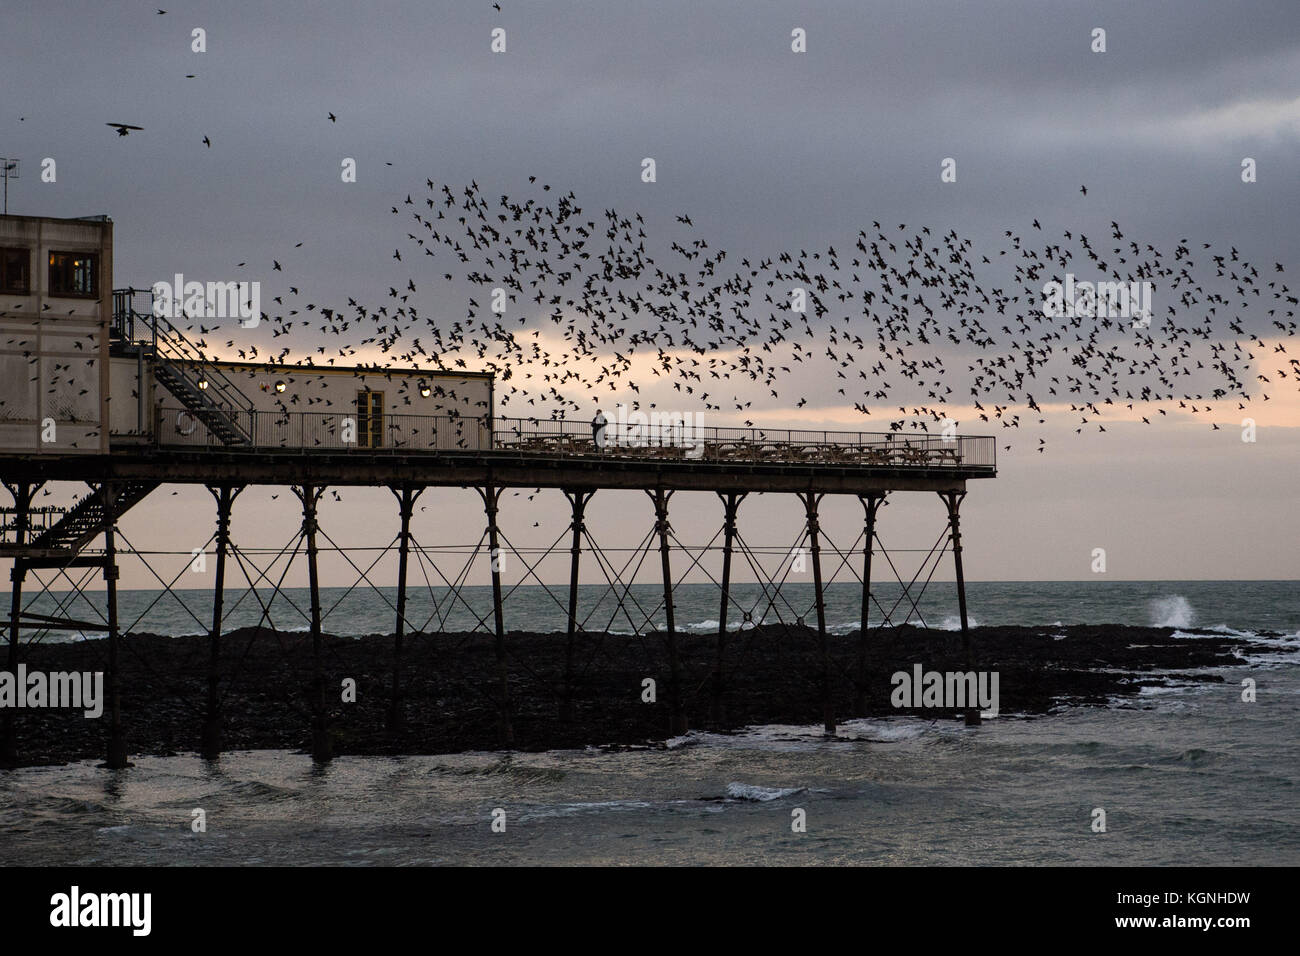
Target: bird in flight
x=608 y=289
x=207 y=142
x=123 y=129
x=333 y=118
x=1084 y=190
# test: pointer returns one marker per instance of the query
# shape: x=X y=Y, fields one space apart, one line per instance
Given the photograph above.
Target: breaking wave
x=749 y=791
x=1172 y=611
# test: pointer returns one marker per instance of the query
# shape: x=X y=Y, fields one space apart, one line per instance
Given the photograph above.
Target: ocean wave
x=1172 y=611
x=572 y=809
x=1158 y=704
x=885 y=731
x=1230 y=631
x=1274 y=640
x=1195 y=756
x=1268 y=640
x=753 y=792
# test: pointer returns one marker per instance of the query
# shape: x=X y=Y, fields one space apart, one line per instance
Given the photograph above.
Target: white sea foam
x=704 y=626
x=1230 y=631
x=749 y=791
x=1172 y=611
x=885 y=731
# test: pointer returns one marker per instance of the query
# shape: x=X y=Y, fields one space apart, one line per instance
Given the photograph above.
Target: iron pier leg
x=677 y=723
x=871 y=503
x=578 y=500
x=814 y=545
x=730 y=505
x=491 y=499
x=953 y=500
x=406 y=504
x=116 y=737
x=210 y=742
x=322 y=749
x=22 y=494
x=9 y=740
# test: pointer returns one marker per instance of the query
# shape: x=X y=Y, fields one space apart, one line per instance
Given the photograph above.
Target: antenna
x=10 y=167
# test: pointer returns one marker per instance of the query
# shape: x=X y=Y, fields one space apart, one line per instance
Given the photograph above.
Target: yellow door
x=370 y=419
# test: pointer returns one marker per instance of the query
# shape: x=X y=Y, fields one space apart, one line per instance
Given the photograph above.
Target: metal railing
x=39 y=520
x=142 y=328
x=679 y=439
x=398 y=434
x=329 y=431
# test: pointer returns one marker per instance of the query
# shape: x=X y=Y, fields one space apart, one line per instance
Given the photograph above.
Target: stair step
x=86 y=518
x=215 y=418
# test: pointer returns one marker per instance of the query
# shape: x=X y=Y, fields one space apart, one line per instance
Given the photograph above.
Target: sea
x=1186 y=773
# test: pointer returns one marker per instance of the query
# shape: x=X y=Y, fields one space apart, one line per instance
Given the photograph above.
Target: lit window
x=73 y=274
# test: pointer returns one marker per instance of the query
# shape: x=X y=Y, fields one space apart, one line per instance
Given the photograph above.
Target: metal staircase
x=180 y=367
x=222 y=423
x=87 y=518
x=176 y=364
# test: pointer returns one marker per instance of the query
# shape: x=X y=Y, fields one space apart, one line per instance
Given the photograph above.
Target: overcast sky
x=766 y=149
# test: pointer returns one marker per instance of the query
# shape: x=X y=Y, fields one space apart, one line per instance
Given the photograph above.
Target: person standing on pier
x=598 y=429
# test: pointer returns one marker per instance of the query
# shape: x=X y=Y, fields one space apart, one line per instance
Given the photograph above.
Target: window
x=370 y=419
x=74 y=274
x=16 y=271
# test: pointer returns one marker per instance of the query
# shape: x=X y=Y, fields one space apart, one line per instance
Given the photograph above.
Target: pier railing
x=330 y=431
x=183 y=362
x=401 y=434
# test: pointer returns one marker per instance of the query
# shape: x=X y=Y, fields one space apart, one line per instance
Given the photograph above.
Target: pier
x=179 y=417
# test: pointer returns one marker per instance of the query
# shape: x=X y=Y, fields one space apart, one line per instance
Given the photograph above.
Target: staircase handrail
x=170 y=344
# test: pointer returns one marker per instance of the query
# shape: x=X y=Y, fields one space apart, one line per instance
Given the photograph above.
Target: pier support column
x=22 y=492
x=871 y=504
x=677 y=723
x=406 y=507
x=814 y=546
x=953 y=501
x=9 y=729
x=210 y=738
x=116 y=736
x=322 y=749
x=730 y=506
x=491 y=499
x=578 y=502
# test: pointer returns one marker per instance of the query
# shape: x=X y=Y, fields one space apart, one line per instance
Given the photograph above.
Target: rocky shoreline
x=451 y=684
